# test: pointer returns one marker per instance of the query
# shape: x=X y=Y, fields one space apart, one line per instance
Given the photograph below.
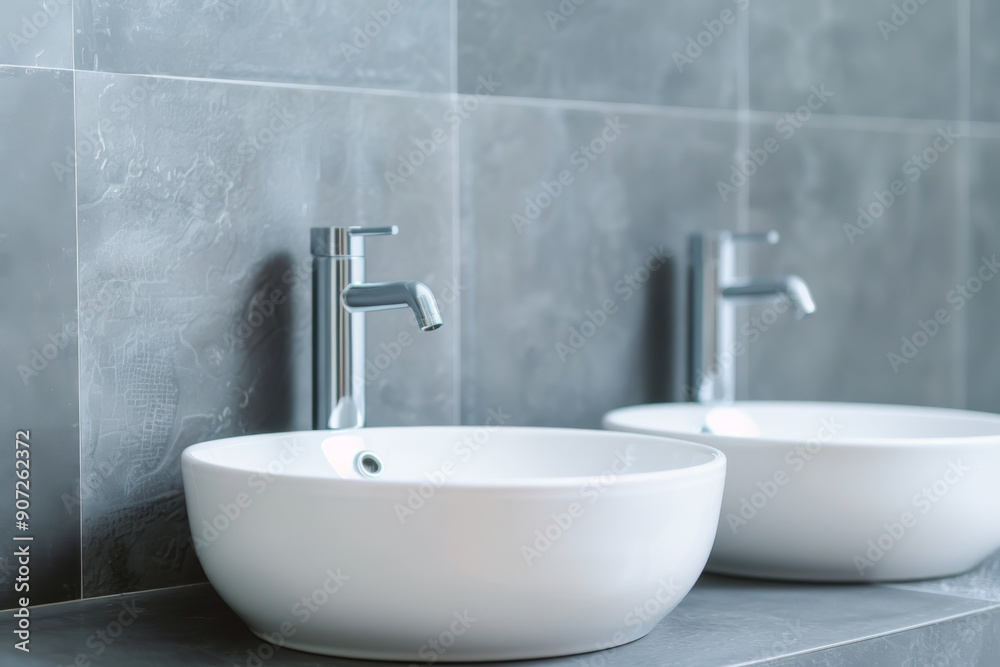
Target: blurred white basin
x=844 y=492
x=471 y=544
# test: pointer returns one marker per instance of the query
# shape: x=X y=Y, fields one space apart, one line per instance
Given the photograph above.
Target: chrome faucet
x=715 y=291
x=341 y=297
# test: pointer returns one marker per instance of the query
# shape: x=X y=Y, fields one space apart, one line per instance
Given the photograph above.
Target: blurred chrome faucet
x=715 y=291
x=341 y=297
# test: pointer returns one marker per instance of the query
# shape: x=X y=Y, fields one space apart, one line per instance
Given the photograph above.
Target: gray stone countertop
x=723 y=621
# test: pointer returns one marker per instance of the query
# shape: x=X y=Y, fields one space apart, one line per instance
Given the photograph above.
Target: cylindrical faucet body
x=338 y=336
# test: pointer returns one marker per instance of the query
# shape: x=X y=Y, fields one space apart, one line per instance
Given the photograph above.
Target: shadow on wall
x=143 y=544
x=269 y=407
x=661 y=334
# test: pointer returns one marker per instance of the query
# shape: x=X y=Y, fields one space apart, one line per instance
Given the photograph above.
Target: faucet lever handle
x=770 y=238
x=391 y=230
x=345 y=241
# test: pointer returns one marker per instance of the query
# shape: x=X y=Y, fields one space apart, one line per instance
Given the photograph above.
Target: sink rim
x=715 y=464
x=611 y=420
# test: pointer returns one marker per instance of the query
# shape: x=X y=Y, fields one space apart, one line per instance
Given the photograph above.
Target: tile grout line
x=453 y=46
x=743 y=201
x=963 y=187
x=79 y=356
x=318 y=87
x=43 y=68
x=456 y=221
x=743 y=116
x=885 y=124
x=110 y=596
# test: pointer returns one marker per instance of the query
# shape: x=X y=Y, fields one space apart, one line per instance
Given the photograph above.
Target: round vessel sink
x=844 y=492
x=433 y=544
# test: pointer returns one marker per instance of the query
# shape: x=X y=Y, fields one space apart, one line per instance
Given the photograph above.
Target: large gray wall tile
x=36 y=33
x=526 y=290
x=272 y=40
x=983 y=345
x=869 y=293
x=611 y=50
x=985 y=61
x=38 y=326
x=911 y=73
x=180 y=338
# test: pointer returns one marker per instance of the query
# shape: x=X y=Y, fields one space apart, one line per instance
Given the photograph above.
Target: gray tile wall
x=581 y=144
x=37 y=34
x=398 y=45
x=183 y=338
x=873 y=285
x=608 y=51
x=575 y=266
x=878 y=62
x=39 y=392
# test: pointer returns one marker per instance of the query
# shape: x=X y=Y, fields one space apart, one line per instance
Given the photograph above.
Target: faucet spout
x=791 y=287
x=402 y=294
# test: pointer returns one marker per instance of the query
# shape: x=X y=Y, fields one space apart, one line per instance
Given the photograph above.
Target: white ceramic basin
x=844 y=492
x=473 y=543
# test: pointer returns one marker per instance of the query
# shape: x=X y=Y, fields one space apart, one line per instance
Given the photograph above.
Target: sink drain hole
x=369 y=464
